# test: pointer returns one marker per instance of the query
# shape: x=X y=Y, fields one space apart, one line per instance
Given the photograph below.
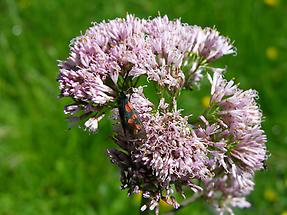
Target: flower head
x=216 y=154
x=110 y=56
x=240 y=119
x=236 y=141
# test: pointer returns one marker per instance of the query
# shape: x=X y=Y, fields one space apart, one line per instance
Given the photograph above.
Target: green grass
x=47 y=169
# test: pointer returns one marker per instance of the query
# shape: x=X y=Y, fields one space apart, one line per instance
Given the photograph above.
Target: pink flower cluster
x=162 y=50
x=170 y=155
x=236 y=139
x=216 y=155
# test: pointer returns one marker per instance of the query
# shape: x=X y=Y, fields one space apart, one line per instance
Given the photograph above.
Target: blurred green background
x=47 y=169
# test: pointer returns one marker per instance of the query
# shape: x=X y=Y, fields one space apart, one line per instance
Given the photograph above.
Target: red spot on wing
x=128 y=107
x=130 y=121
x=134 y=116
x=138 y=127
x=134 y=124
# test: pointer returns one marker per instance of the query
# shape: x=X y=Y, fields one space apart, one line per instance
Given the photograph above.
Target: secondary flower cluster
x=217 y=154
x=232 y=129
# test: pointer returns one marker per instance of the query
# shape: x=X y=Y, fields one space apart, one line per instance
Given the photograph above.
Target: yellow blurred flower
x=138 y=197
x=270 y=195
x=165 y=206
x=284 y=213
x=205 y=101
x=272 y=53
x=24 y=4
x=271 y=3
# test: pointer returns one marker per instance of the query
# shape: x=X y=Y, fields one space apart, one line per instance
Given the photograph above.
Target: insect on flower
x=130 y=120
